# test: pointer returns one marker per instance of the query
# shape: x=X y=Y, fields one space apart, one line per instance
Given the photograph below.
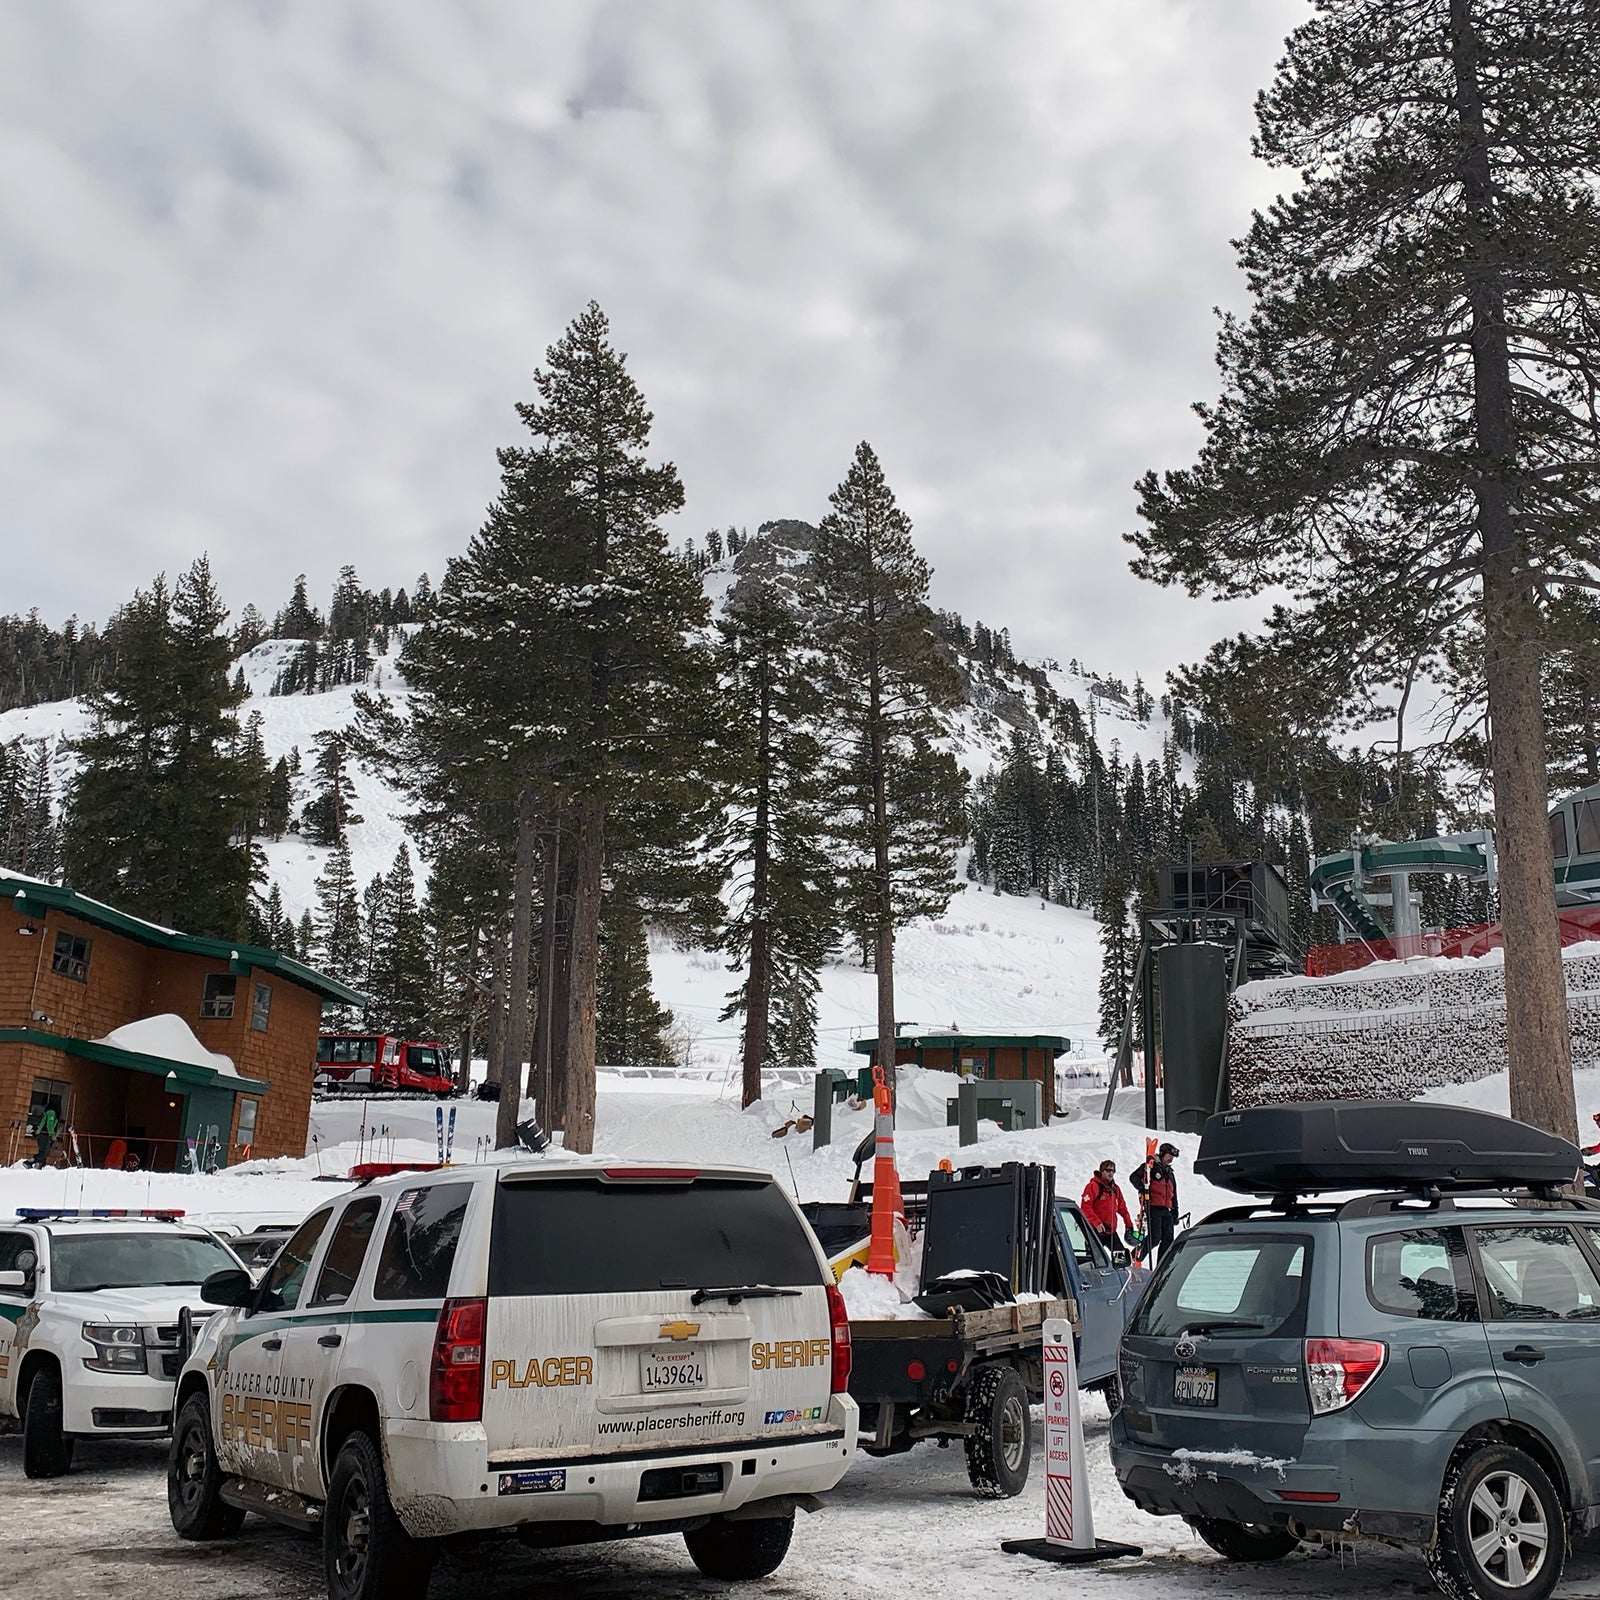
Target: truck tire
x=1239 y=1541
x=1001 y=1444
x=1110 y=1390
x=367 y=1554
x=194 y=1480
x=46 y=1450
x=1502 y=1528
x=734 y=1551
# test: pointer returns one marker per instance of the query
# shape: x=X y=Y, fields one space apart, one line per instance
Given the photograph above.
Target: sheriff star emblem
x=26 y=1323
x=679 y=1331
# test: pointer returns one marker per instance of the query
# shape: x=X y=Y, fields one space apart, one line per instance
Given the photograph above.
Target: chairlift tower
x=1215 y=925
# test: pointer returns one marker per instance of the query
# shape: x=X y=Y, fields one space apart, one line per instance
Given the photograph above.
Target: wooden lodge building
x=142 y=1039
x=982 y=1055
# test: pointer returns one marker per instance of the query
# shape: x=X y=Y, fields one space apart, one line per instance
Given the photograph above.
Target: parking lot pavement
x=906 y=1527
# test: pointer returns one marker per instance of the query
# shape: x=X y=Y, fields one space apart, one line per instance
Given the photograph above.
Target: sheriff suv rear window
x=583 y=1236
x=1238 y=1286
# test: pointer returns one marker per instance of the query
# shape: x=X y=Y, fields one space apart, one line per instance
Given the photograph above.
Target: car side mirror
x=230 y=1287
x=13 y=1280
x=1119 y=1259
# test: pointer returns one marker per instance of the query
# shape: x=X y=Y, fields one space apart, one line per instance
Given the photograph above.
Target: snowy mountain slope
x=992 y=963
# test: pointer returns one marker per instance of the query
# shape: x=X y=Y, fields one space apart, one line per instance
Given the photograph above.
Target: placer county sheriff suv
x=564 y=1352
x=89 y=1309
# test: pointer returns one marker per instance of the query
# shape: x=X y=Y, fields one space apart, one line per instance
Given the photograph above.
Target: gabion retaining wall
x=1389 y=1031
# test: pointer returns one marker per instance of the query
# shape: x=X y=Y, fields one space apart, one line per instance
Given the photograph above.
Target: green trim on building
x=970 y=1041
x=26 y=893
x=132 y=1061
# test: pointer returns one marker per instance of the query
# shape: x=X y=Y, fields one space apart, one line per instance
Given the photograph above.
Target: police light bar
x=56 y=1213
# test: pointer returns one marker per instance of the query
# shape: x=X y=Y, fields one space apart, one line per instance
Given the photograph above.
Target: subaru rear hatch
x=1213 y=1361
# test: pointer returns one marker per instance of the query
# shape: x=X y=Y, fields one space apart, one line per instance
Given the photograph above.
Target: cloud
x=276 y=273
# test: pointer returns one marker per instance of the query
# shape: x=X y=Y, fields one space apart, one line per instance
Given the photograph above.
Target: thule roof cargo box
x=1326 y=1145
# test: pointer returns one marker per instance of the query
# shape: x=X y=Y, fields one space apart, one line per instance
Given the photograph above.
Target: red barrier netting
x=1327 y=960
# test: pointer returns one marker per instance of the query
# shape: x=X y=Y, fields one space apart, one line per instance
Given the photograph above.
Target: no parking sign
x=1068 y=1516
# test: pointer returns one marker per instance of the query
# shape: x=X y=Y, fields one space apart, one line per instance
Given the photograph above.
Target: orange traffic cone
x=887 y=1206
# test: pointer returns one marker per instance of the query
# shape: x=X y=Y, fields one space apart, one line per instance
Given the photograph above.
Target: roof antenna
x=793 y=1183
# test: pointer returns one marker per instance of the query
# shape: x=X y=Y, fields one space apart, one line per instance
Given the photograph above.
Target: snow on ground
x=639 y=1121
x=994 y=963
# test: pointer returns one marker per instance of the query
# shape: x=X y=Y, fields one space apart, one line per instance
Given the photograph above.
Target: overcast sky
x=275 y=272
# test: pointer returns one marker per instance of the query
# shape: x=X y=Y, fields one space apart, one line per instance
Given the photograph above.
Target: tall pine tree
x=768 y=841
x=1407 y=434
x=885 y=675
x=155 y=818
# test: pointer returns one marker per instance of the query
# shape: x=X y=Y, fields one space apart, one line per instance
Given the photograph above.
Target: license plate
x=664 y=1370
x=1195 y=1386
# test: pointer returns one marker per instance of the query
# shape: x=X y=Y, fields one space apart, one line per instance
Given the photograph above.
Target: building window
x=247 y=1122
x=217 y=1000
x=71 y=958
x=261 y=1007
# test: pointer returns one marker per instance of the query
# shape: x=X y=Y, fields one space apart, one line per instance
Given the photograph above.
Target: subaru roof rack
x=1328 y=1146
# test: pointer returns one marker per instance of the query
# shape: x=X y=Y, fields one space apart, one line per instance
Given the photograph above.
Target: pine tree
x=331 y=808
x=767 y=844
x=155 y=817
x=631 y=1027
x=1406 y=437
x=29 y=839
x=885 y=675
x=336 y=935
x=251 y=631
x=1118 y=951
x=634 y=615
x=298 y=619
x=398 y=976
x=277 y=801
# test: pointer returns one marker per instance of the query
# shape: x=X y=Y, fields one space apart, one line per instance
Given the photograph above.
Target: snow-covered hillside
x=992 y=963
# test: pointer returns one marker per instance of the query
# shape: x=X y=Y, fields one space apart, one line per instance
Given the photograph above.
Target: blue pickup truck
x=972 y=1374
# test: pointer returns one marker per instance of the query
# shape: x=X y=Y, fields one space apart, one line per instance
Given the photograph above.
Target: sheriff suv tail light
x=840 y=1320
x=1339 y=1370
x=455 y=1385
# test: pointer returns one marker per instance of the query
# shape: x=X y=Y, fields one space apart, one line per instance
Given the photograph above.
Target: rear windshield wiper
x=1215 y=1327
x=733 y=1295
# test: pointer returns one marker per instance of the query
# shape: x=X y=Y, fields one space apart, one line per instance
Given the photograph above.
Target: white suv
x=89 y=1311
x=565 y=1352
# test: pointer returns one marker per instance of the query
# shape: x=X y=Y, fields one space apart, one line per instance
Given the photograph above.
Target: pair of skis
x=447 y=1138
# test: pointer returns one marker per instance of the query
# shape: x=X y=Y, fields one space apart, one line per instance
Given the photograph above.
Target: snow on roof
x=171 y=1039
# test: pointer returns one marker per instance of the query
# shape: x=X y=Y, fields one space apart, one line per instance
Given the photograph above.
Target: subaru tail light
x=455 y=1384
x=1338 y=1371
x=840 y=1320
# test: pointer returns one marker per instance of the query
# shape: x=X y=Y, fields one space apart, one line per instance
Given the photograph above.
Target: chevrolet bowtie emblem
x=679 y=1331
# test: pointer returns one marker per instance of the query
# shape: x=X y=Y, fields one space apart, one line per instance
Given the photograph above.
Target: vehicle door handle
x=272 y=1344
x=329 y=1340
x=1524 y=1353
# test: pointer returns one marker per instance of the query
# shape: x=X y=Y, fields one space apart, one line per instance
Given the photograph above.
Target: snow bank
x=638 y=1122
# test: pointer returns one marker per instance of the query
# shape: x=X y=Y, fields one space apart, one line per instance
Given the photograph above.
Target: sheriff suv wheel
x=194 y=1481
x=368 y=1555
x=740 y=1550
x=1502 y=1528
x=46 y=1450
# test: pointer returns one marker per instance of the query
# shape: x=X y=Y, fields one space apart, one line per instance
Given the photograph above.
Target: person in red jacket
x=1103 y=1204
x=1157 y=1184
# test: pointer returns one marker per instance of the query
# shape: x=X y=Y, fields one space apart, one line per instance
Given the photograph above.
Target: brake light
x=455 y=1384
x=1339 y=1370
x=840 y=1320
x=649 y=1174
